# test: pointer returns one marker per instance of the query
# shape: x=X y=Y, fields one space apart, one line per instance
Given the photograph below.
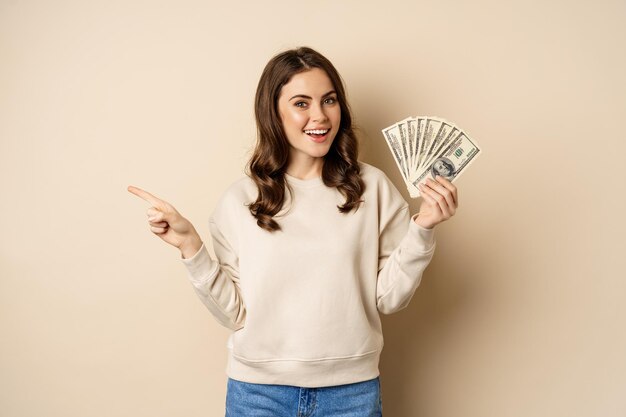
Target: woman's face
x=310 y=114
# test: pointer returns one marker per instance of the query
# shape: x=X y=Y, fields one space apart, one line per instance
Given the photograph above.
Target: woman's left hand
x=440 y=201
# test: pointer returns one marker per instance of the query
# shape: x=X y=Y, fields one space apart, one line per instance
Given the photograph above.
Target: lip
x=318 y=140
x=317 y=128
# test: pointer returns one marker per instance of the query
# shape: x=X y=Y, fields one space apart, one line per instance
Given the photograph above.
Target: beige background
x=521 y=312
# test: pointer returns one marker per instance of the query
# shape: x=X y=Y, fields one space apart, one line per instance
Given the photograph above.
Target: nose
x=317 y=113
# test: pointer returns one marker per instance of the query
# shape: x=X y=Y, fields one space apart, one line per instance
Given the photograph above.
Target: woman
x=312 y=245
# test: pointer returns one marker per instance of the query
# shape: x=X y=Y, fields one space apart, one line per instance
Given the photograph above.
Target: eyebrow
x=304 y=96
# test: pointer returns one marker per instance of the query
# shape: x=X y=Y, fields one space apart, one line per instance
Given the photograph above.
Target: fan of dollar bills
x=426 y=146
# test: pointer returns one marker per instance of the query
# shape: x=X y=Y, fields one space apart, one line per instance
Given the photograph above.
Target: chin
x=320 y=153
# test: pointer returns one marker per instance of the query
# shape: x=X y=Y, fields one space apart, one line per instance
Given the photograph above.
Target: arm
x=402 y=264
x=217 y=282
x=404 y=254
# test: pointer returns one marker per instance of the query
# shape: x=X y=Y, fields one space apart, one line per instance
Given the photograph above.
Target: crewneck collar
x=298 y=182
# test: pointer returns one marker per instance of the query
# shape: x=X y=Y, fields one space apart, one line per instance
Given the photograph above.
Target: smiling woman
x=304 y=130
x=303 y=297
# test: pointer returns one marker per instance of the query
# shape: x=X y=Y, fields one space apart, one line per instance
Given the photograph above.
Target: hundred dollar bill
x=427 y=146
x=442 y=137
x=392 y=137
x=407 y=145
x=414 y=127
x=431 y=129
x=452 y=161
x=396 y=138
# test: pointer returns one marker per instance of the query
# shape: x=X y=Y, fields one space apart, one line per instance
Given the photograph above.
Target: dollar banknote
x=426 y=146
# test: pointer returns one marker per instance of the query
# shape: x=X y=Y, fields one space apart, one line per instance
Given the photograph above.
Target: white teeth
x=316 y=132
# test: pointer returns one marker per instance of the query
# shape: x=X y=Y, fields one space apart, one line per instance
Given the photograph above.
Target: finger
x=441 y=189
x=158 y=224
x=158 y=230
x=431 y=201
x=154 y=214
x=440 y=201
x=145 y=195
x=445 y=193
x=446 y=183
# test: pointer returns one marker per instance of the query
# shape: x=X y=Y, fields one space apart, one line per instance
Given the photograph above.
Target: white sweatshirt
x=304 y=302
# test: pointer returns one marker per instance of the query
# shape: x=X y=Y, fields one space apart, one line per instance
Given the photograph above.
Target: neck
x=305 y=171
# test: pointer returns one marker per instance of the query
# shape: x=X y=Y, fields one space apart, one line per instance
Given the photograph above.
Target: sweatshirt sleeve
x=405 y=250
x=217 y=282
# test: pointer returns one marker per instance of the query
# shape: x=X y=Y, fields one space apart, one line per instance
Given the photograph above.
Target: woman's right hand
x=168 y=224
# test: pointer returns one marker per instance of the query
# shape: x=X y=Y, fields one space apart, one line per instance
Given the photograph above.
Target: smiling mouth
x=316 y=132
x=317 y=135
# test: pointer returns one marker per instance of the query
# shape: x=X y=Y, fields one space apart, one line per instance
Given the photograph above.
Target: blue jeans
x=361 y=399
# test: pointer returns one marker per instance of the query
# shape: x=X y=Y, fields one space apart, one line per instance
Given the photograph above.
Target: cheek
x=336 y=116
x=296 y=119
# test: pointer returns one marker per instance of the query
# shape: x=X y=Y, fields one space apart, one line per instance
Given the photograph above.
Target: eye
x=330 y=100
x=301 y=104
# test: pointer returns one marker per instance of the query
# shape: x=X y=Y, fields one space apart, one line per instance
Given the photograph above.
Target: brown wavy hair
x=268 y=163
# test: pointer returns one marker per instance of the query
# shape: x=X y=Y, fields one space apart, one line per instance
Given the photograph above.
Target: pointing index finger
x=145 y=195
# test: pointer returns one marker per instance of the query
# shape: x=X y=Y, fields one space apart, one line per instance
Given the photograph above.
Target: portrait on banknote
x=444 y=167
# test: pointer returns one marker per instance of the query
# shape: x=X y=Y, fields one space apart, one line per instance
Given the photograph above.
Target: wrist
x=190 y=246
x=420 y=221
